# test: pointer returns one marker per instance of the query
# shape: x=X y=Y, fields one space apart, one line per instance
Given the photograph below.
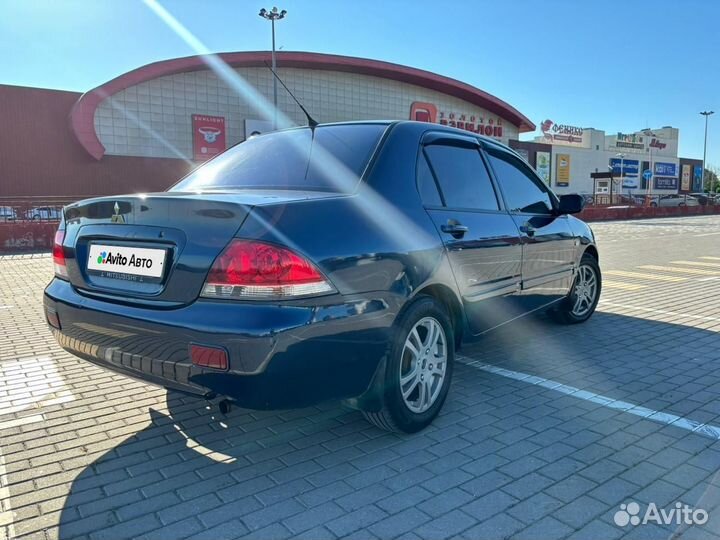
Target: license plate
x=132 y=261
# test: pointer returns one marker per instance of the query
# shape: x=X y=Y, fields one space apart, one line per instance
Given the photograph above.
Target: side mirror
x=571 y=204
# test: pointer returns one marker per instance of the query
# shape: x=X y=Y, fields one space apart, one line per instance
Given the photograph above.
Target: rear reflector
x=256 y=270
x=210 y=357
x=52 y=318
x=59 y=255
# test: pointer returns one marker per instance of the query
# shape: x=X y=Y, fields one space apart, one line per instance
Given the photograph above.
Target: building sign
x=665 y=182
x=665 y=175
x=562 y=170
x=427 y=112
x=542 y=166
x=656 y=143
x=208 y=136
x=523 y=154
x=665 y=169
x=423 y=112
x=628 y=170
x=629 y=140
x=685 y=185
x=562 y=134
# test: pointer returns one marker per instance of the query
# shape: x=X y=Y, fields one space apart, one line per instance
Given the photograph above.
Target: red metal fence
x=29 y=223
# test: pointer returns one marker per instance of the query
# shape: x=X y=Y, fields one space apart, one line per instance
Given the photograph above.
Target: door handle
x=527 y=229
x=454 y=228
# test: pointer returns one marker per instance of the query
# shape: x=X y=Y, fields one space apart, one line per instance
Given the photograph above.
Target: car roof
x=419 y=125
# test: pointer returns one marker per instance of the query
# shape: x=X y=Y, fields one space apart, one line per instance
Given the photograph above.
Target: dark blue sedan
x=345 y=261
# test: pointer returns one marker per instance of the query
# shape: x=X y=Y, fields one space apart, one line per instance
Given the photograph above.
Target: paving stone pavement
x=86 y=453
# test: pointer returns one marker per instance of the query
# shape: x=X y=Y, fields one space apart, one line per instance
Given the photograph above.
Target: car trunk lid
x=157 y=248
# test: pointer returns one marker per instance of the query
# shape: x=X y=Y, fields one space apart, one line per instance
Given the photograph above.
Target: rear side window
x=464 y=181
x=331 y=159
x=426 y=184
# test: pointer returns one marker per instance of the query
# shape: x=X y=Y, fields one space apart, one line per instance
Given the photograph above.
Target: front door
x=481 y=238
x=549 y=246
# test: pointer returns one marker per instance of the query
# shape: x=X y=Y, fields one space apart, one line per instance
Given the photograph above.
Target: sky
x=611 y=65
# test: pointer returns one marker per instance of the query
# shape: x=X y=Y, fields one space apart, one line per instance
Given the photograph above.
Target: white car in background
x=45 y=213
x=674 y=200
x=7 y=213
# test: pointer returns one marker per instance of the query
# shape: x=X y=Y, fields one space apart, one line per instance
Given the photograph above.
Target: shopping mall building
x=146 y=128
x=578 y=157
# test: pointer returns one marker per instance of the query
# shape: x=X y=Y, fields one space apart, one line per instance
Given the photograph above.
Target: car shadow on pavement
x=499 y=442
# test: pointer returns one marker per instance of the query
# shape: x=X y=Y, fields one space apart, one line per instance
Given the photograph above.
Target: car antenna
x=311 y=121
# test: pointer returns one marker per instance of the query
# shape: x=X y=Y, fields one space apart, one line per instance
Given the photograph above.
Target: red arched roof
x=83 y=112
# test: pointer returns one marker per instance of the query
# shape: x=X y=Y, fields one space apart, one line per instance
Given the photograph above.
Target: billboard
x=685 y=185
x=698 y=178
x=629 y=169
x=542 y=166
x=665 y=169
x=562 y=170
x=665 y=182
x=208 y=136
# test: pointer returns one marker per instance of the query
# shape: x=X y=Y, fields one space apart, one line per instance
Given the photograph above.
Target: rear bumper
x=279 y=355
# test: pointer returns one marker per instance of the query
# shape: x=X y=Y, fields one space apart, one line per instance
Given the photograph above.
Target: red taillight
x=59 y=255
x=212 y=357
x=248 y=269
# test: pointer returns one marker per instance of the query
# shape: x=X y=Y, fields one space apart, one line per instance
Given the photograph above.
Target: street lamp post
x=648 y=195
x=622 y=170
x=272 y=16
x=706 y=114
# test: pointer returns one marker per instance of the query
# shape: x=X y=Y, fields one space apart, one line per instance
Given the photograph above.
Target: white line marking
x=609 y=284
x=707 y=430
x=6 y=307
x=661 y=311
x=696 y=271
x=6 y=513
x=36 y=375
x=638 y=275
x=22 y=421
x=697 y=263
x=706 y=234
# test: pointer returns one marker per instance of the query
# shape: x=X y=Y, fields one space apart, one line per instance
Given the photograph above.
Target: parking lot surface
x=547 y=431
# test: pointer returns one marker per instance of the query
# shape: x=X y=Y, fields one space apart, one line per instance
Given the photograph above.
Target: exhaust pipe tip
x=225 y=406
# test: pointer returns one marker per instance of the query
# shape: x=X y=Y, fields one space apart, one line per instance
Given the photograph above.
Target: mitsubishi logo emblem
x=117 y=216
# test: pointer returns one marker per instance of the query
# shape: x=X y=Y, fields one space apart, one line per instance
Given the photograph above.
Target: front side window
x=462 y=176
x=332 y=158
x=522 y=190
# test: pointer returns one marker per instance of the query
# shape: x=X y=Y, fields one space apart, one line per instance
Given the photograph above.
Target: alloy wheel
x=423 y=365
x=585 y=292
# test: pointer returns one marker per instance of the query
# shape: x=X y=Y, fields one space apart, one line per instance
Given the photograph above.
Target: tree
x=712 y=179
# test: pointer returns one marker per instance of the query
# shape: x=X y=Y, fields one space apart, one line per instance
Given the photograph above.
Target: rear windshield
x=331 y=159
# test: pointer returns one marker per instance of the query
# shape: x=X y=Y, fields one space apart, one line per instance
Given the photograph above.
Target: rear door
x=481 y=239
x=548 y=244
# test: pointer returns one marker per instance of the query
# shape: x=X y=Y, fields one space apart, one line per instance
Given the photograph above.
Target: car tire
x=653 y=204
x=588 y=280
x=410 y=403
